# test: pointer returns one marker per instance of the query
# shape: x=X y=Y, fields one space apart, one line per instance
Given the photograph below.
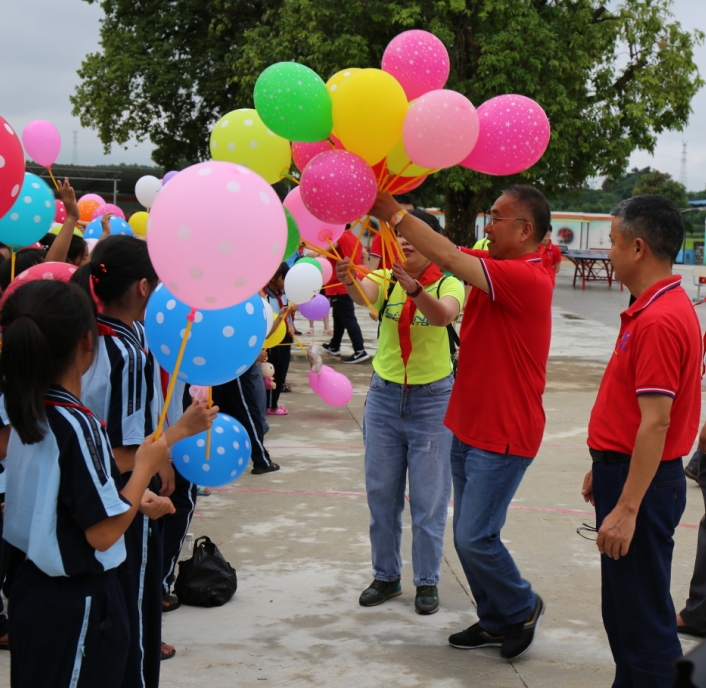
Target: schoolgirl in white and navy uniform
x=68 y=625
x=120 y=388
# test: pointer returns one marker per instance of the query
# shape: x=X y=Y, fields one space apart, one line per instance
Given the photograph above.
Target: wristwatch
x=397 y=217
x=416 y=292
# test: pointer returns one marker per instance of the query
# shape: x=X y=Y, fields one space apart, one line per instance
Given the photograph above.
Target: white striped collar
x=653 y=293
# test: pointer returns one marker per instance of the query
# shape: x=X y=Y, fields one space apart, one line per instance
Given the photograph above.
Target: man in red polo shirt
x=645 y=419
x=551 y=257
x=495 y=411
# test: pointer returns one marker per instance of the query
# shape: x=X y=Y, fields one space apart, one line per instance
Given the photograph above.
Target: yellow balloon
x=335 y=81
x=242 y=137
x=398 y=162
x=368 y=113
x=57 y=228
x=277 y=336
x=138 y=222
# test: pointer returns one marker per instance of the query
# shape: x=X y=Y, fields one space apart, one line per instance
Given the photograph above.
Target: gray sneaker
x=357 y=357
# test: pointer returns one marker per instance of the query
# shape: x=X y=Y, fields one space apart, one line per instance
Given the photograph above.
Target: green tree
x=662 y=184
x=609 y=80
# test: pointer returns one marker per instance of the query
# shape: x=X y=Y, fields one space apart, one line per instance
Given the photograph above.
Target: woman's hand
x=406 y=282
x=342 y=271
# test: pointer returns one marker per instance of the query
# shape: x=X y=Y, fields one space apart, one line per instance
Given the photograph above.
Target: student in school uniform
x=120 y=387
x=65 y=508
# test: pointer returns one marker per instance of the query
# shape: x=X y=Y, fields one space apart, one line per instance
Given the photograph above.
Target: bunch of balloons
x=346 y=148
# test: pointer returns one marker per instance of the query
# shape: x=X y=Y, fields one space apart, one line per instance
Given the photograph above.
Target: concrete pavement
x=298 y=539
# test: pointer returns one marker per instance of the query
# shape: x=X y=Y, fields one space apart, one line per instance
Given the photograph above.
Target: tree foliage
x=610 y=80
x=662 y=184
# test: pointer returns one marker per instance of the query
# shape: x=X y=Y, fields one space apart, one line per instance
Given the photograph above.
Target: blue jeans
x=404 y=431
x=484 y=485
x=638 y=612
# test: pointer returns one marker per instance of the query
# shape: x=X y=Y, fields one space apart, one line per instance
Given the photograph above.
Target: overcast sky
x=43 y=42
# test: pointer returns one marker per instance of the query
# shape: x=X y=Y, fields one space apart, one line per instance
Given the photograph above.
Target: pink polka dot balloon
x=216 y=234
x=108 y=208
x=12 y=166
x=514 y=133
x=60 y=214
x=338 y=187
x=311 y=228
x=418 y=60
x=440 y=129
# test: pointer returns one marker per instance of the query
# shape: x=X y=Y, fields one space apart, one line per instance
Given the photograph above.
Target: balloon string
x=285 y=175
x=362 y=293
x=317 y=249
x=52 y=178
x=333 y=249
x=12 y=267
x=390 y=183
x=301 y=346
x=172 y=379
x=209 y=403
x=383 y=173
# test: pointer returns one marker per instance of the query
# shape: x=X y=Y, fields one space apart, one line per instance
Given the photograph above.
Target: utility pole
x=682 y=171
x=74 y=152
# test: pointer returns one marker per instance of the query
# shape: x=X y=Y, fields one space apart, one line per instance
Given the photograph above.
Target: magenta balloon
x=216 y=234
x=316 y=309
x=93 y=197
x=418 y=60
x=311 y=228
x=42 y=142
x=514 y=133
x=338 y=187
x=12 y=166
x=335 y=388
x=168 y=176
x=440 y=129
x=108 y=208
x=315 y=377
x=326 y=268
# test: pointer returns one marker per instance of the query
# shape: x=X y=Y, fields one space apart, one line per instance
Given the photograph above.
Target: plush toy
x=268 y=373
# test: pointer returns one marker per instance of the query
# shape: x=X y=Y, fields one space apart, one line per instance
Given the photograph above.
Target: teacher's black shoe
x=520 y=639
x=379 y=592
x=475 y=637
x=426 y=601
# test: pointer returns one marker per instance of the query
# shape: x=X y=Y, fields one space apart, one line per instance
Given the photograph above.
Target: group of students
x=94 y=513
x=479 y=427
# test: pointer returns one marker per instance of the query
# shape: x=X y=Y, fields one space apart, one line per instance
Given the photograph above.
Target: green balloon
x=313 y=261
x=293 y=101
x=293 y=238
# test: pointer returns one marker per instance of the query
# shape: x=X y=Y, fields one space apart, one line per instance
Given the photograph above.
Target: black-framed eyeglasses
x=493 y=219
x=587 y=528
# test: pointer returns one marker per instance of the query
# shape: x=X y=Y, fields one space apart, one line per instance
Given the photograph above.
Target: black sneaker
x=357 y=357
x=474 y=637
x=520 y=640
x=380 y=591
x=426 y=600
x=330 y=350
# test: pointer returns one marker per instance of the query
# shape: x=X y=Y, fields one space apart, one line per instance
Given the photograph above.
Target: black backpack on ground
x=207 y=579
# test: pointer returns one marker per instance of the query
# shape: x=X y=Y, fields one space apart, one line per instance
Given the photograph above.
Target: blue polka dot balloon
x=222 y=344
x=228 y=457
x=31 y=215
x=117 y=226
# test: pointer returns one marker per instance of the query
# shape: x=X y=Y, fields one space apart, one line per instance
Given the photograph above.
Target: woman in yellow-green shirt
x=404 y=419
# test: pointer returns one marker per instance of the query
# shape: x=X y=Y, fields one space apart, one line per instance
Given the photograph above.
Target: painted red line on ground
x=312 y=446
x=363 y=494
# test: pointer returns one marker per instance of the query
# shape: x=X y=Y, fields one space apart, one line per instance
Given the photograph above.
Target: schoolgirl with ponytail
x=67 y=506
x=121 y=387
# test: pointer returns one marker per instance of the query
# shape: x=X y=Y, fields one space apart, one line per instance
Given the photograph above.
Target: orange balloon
x=86 y=208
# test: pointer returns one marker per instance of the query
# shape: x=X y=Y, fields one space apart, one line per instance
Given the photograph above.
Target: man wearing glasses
x=495 y=411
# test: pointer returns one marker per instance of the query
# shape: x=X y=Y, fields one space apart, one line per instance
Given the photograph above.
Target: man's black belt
x=609 y=456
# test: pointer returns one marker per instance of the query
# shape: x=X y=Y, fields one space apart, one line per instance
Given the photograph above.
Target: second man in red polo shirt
x=644 y=421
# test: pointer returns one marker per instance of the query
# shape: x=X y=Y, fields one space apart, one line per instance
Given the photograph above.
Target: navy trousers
x=239 y=399
x=67 y=632
x=176 y=526
x=638 y=612
x=141 y=578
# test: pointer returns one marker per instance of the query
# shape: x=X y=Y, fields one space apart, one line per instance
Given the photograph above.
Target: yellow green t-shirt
x=430 y=359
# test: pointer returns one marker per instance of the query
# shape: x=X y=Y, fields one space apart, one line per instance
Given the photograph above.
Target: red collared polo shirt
x=659 y=351
x=496 y=403
x=346 y=243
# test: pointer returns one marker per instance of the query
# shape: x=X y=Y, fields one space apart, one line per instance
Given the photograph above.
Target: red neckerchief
x=106 y=330
x=47 y=402
x=429 y=276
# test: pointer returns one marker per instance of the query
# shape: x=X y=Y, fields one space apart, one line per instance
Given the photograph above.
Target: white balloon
x=302 y=283
x=146 y=190
x=269 y=315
